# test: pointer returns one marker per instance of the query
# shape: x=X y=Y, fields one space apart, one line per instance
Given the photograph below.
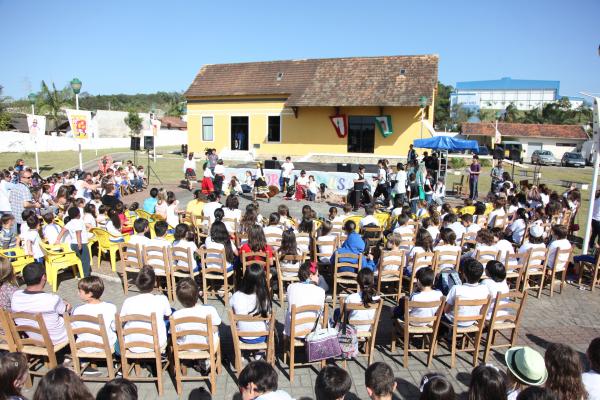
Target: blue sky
x=132 y=46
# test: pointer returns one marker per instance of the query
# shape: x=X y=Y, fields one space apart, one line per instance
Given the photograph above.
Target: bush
x=485 y=162
x=457 y=163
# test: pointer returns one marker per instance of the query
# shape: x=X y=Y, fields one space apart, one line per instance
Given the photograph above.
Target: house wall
x=310 y=133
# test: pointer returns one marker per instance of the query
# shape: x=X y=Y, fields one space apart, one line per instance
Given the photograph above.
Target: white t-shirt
x=73 y=226
x=287 y=168
x=110 y=228
x=400 y=182
x=88 y=219
x=494 y=288
x=361 y=315
x=591 y=382
x=596 y=211
x=303 y=243
x=209 y=210
x=505 y=247
x=517 y=228
x=33 y=237
x=326 y=249
x=245 y=304
x=537 y=250
x=157 y=242
x=49 y=305
x=466 y=291
x=473 y=228
x=561 y=244
x=434 y=231
x=108 y=311
x=382 y=176
x=313 y=186
x=302 y=294
x=229 y=213
x=302 y=180
x=368 y=220
x=172 y=216
x=186 y=244
x=411 y=258
x=405 y=231
x=199 y=311
x=492 y=217
x=219 y=169
x=146 y=304
x=424 y=296
x=51 y=232
x=396 y=260
x=212 y=245
x=458 y=229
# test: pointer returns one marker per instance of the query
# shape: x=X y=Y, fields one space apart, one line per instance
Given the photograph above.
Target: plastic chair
x=144 y=214
x=17 y=258
x=57 y=258
x=105 y=245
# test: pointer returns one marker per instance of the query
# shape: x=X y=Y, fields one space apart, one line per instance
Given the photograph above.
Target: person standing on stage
x=359 y=185
x=286 y=173
x=496 y=175
x=382 y=184
x=411 y=157
x=189 y=170
x=474 y=171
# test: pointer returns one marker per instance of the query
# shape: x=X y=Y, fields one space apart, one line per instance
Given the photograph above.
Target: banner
x=155 y=126
x=384 y=123
x=340 y=123
x=80 y=122
x=497 y=135
x=37 y=125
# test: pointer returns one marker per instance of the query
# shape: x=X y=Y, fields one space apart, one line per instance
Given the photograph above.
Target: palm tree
x=53 y=101
x=511 y=113
x=4 y=116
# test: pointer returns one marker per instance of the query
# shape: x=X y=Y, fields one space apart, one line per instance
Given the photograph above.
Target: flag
x=497 y=135
x=384 y=123
x=80 y=122
x=340 y=123
x=36 y=124
x=155 y=126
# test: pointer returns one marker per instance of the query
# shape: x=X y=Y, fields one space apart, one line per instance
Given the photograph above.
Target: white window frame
x=202 y=127
x=280 y=129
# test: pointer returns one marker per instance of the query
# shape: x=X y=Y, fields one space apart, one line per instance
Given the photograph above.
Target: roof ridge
x=324 y=58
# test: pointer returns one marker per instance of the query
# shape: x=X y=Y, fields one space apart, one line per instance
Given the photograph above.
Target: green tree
x=134 y=122
x=4 y=115
x=441 y=113
x=511 y=114
x=53 y=101
x=533 y=116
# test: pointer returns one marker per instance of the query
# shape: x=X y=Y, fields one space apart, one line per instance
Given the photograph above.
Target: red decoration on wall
x=340 y=123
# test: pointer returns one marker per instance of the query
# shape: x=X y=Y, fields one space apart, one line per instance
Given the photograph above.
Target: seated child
x=325 y=235
x=9 y=236
x=423 y=292
x=495 y=282
x=559 y=242
x=394 y=257
x=470 y=290
x=423 y=243
x=447 y=244
x=380 y=381
x=470 y=226
x=32 y=240
x=368 y=219
x=258 y=380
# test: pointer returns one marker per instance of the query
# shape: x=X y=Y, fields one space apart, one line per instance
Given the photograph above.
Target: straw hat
x=527 y=365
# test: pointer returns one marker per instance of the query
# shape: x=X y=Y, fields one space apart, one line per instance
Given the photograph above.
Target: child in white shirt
x=160 y=230
x=535 y=243
x=325 y=235
x=447 y=244
x=184 y=239
x=313 y=188
x=559 y=242
x=32 y=239
x=78 y=238
x=146 y=304
x=368 y=219
x=467 y=221
x=423 y=243
x=424 y=293
x=90 y=291
x=503 y=246
x=394 y=258
x=51 y=230
x=495 y=283
x=470 y=290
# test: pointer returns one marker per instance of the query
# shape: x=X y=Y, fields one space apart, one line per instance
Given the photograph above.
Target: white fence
x=14 y=142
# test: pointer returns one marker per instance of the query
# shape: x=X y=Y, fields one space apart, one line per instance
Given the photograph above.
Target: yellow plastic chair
x=144 y=214
x=383 y=218
x=105 y=244
x=57 y=258
x=18 y=260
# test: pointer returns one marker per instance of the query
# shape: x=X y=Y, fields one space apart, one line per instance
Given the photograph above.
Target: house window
x=207 y=129
x=274 y=129
x=566 y=144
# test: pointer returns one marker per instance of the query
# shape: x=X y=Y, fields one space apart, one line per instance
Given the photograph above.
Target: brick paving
x=571 y=318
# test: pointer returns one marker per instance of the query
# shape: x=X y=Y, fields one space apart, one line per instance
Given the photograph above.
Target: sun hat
x=527 y=365
x=536 y=231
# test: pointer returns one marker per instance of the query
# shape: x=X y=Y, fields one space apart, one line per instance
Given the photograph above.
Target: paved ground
x=571 y=317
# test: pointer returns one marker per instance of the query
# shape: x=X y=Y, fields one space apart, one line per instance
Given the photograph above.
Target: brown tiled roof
x=173 y=123
x=525 y=130
x=358 y=81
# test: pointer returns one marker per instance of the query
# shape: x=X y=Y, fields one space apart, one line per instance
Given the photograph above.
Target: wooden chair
x=483 y=256
x=422 y=260
x=424 y=327
x=500 y=221
x=131 y=261
x=468 y=238
x=293 y=340
x=214 y=269
x=148 y=352
x=366 y=336
x=345 y=279
x=90 y=350
x=446 y=259
x=32 y=338
x=7 y=341
x=515 y=267
x=590 y=271
x=304 y=241
x=157 y=257
x=273 y=240
x=287 y=272
x=183 y=265
x=465 y=333
x=240 y=238
x=201 y=227
x=458 y=187
x=505 y=317
x=373 y=235
x=536 y=270
x=106 y=245
x=261 y=258
x=231 y=224
x=391 y=276
x=318 y=252
x=202 y=347
x=268 y=346
x=562 y=257
x=59 y=258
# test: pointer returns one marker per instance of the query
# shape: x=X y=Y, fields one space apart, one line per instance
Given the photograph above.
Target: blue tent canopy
x=446 y=143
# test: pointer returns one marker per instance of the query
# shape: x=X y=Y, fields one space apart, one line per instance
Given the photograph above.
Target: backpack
x=447 y=278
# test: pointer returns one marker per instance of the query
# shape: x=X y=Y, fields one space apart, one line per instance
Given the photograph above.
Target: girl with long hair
x=289 y=247
x=161 y=204
x=487 y=383
x=423 y=243
x=302 y=293
x=232 y=202
x=305 y=230
x=248 y=219
x=113 y=226
x=14 y=371
x=219 y=239
x=184 y=238
x=564 y=373
x=173 y=211
x=366 y=295
x=516 y=229
x=89 y=216
x=256 y=242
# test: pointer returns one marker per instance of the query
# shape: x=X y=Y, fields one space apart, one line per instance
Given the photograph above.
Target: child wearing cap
x=535 y=243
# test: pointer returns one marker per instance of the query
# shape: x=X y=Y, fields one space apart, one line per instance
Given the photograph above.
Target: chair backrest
x=80 y=325
x=483 y=256
x=561 y=259
x=200 y=329
x=468 y=238
x=143 y=325
x=157 y=257
x=182 y=260
x=303 y=240
x=515 y=265
x=432 y=320
x=268 y=331
x=415 y=224
x=103 y=236
x=500 y=221
x=287 y=267
x=348 y=308
x=391 y=264
x=351 y=260
x=7 y=341
x=447 y=259
x=29 y=330
x=537 y=258
x=319 y=245
x=478 y=317
x=273 y=239
x=299 y=317
x=214 y=261
x=240 y=238
x=231 y=224
x=143 y=214
x=508 y=308
x=423 y=259
x=255 y=257
x=372 y=234
x=131 y=256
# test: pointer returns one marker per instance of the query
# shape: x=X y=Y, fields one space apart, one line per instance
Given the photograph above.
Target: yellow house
x=280 y=108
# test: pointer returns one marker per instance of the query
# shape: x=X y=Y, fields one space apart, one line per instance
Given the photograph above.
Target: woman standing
x=359 y=185
x=189 y=170
x=474 y=171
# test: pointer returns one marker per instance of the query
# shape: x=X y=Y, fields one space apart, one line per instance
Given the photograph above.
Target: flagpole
x=596 y=138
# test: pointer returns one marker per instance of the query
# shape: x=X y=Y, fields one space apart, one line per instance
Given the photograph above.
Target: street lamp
x=422 y=104
x=32 y=98
x=76 y=86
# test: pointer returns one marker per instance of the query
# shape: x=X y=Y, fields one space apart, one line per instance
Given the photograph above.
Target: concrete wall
x=111 y=124
x=22 y=142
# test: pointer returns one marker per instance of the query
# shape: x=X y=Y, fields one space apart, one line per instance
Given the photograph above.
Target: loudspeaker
x=344 y=167
x=515 y=155
x=498 y=153
x=148 y=142
x=272 y=164
x=135 y=143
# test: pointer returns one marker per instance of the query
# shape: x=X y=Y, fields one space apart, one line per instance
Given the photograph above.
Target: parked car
x=544 y=157
x=572 y=160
